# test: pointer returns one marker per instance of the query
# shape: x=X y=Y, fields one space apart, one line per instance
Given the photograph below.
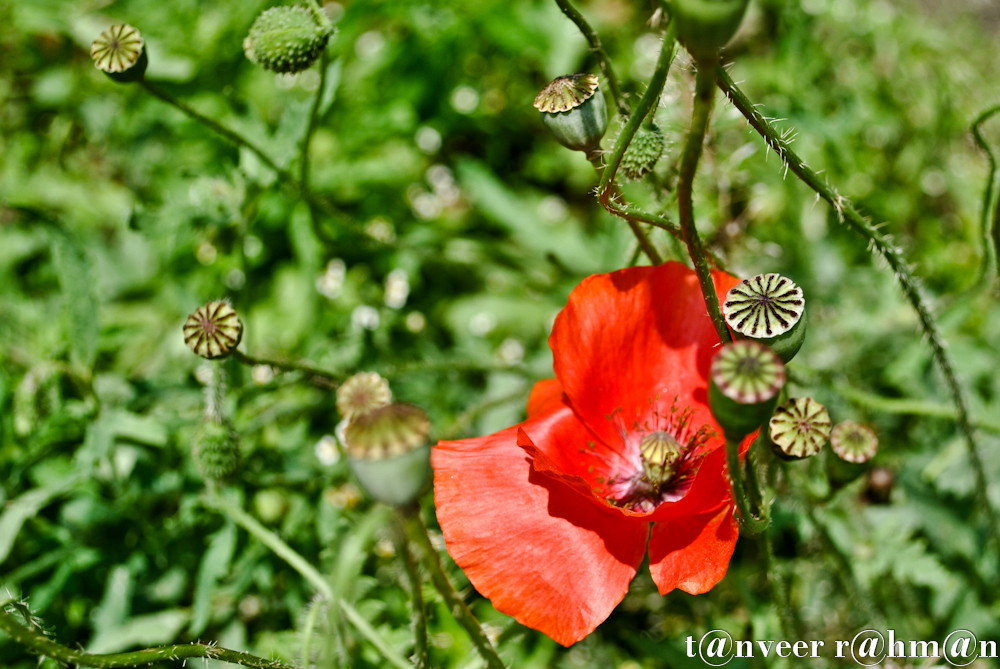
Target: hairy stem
x=704 y=92
x=644 y=242
x=313 y=119
x=457 y=606
x=38 y=643
x=308 y=572
x=988 y=230
x=751 y=522
x=403 y=552
x=883 y=245
x=910 y=407
x=288 y=365
x=603 y=61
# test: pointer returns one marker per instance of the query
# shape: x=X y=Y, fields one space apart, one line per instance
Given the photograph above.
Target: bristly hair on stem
x=988 y=216
x=882 y=246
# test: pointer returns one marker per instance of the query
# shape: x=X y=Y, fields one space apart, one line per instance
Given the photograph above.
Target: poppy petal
x=632 y=341
x=539 y=550
x=692 y=554
x=545 y=395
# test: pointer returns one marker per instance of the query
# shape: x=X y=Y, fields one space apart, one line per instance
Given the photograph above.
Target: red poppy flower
x=550 y=519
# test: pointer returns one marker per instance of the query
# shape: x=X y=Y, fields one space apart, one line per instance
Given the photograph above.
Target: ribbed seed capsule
x=388 y=452
x=362 y=393
x=744 y=381
x=854 y=442
x=213 y=330
x=286 y=39
x=120 y=52
x=659 y=451
x=800 y=427
x=705 y=26
x=573 y=109
x=769 y=309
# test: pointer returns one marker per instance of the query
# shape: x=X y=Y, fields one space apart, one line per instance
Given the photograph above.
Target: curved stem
x=288 y=365
x=457 y=606
x=752 y=523
x=313 y=115
x=704 y=92
x=883 y=245
x=602 y=57
x=38 y=643
x=911 y=407
x=416 y=590
x=988 y=231
x=308 y=572
x=644 y=242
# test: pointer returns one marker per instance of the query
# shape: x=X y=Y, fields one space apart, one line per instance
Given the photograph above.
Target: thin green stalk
x=602 y=57
x=317 y=607
x=476 y=410
x=881 y=244
x=779 y=593
x=989 y=231
x=752 y=523
x=403 y=552
x=321 y=18
x=313 y=117
x=418 y=533
x=288 y=365
x=644 y=242
x=704 y=92
x=911 y=407
x=308 y=572
x=38 y=643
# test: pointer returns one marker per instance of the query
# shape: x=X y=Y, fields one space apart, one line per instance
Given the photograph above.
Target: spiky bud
x=216 y=451
x=854 y=442
x=705 y=26
x=286 y=39
x=799 y=428
x=744 y=381
x=120 y=53
x=771 y=310
x=573 y=109
x=362 y=393
x=213 y=331
x=388 y=452
x=643 y=153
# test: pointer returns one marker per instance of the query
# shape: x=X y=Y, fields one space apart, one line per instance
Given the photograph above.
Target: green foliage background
x=119 y=216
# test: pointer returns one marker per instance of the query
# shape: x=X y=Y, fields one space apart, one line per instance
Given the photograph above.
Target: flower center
x=661 y=456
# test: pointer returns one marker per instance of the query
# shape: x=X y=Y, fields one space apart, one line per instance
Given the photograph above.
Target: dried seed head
x=768 y=308
x=854 y=442
x=286 y=39
x=120 y=52
x=362 y=393
x=643 y=153
x=573 y=109
x=745 y=379
x=213 y=330
x=800 y=427
x=387 y=432
x=566 y=92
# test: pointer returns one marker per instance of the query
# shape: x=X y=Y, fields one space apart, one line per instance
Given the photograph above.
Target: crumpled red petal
x=535 y=547
x=629 y=336
x=692 y=553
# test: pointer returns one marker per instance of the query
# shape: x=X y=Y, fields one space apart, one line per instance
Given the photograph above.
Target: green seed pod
x=799 y=428
x=770 y=310
x=643 y=153
x=573 y=108
x=744 y=382
x=286 y=39
x=362 y=393
x=705 y=26
x=216 y=451
x=659 y=451
x=854 y=442
x=120 y=53
x=388 y=452
x=213 y=330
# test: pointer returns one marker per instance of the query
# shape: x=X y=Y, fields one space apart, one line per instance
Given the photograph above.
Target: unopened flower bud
x=771 y=310
x=362 y=393
x=286 y=39
x=799 y=428
x=388 y=452
x=213 y=331
x=854 y=442
x=705 y=26
x=744 y=382
x=573 y=108
x=216 y=451
x=643 y=153
x=120 y=53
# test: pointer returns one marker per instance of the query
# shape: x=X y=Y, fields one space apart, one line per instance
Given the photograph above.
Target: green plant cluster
x=439 y=233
